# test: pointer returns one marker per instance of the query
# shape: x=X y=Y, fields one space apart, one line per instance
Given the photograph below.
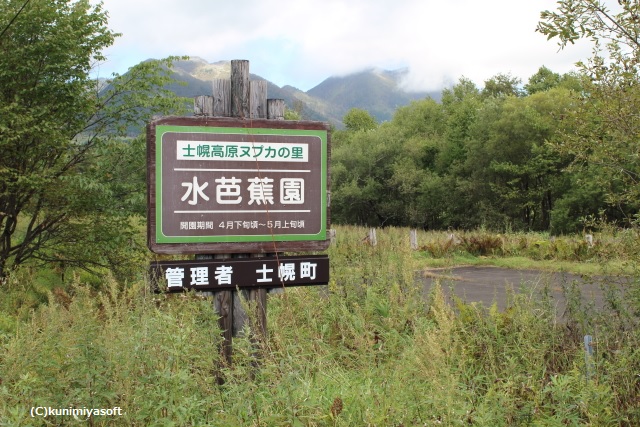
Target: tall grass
x=373 y=349
x=608 y=245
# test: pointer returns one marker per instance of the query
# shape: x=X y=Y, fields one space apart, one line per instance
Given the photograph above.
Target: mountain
x=377 y=91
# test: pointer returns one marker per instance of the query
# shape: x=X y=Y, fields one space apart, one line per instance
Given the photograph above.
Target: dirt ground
x=487 y=285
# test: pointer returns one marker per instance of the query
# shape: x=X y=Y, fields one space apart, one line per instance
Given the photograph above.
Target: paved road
x=491 y=284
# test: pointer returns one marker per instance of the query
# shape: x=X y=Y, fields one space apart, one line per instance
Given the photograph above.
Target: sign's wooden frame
x=228 y=247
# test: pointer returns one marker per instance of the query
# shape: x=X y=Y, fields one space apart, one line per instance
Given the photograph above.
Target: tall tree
x=359 y=119
x=606 y=124
x=516 y=174
x=59 y=201
x=543 y=80
x=502 y=85
x=460 y=106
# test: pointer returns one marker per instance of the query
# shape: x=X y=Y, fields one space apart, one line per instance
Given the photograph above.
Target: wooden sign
x=226 y=185
x=225 y=274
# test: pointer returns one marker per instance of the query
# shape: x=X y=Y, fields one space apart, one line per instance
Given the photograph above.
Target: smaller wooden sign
x=226 y=274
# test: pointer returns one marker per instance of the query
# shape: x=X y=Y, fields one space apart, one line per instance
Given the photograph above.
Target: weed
x=370 y=351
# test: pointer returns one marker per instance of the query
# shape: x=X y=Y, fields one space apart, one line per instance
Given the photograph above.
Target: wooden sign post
x=236 y=189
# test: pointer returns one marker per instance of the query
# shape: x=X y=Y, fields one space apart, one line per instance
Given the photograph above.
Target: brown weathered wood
x=221 y=98
x=275 y=109
x=258 y=300
x=258 y=104
x=259 y=297
x=239 y=314
x=223 y=305
x=203 y=105
x=240 y=89
x=151 y=175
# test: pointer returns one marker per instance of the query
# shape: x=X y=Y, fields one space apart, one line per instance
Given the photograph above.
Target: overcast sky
x=303 y=42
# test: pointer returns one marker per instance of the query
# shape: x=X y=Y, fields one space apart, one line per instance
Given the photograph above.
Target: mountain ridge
x=378 y=91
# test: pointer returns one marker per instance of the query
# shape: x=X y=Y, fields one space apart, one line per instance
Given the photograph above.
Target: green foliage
x=480 y=158
x=374 y=349
x=502 y=85
x=376 y=177
x=358 y=119
x=144 y=353
x=604 y=130
x=605 y=247
x=583 y=198
x=66 y=189
x=292 y=115
x=545 y=79
x=518 y=174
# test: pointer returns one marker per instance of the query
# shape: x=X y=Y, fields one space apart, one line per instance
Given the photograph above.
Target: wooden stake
x=203 y=105
x=373 y=240
x=413 y=239
x=223 y=305
x=221 y=98
x=258 y=102
x=275 y=109
x=240 y=89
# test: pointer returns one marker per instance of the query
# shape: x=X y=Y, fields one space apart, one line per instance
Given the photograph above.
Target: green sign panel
x=223 y=182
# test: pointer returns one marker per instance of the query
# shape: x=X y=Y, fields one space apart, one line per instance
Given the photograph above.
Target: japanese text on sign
x=223 y=274
x=228 y=191
x=227 y=274
x=225 y=151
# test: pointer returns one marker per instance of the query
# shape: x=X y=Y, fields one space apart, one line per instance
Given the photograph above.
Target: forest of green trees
x=489 y=157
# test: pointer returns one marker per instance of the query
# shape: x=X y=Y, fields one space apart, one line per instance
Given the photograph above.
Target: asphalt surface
x=488 y=285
